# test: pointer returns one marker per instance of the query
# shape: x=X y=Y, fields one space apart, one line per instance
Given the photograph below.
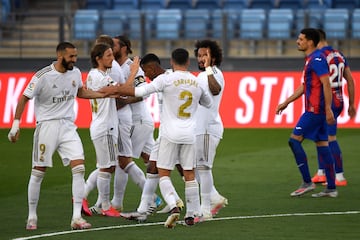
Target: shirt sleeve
x=320 y=66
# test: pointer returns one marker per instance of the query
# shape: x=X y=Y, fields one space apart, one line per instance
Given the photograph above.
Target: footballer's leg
x=37 y=175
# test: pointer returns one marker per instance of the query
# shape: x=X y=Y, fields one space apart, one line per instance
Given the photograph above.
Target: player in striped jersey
x=339 y=70
x=313 y=122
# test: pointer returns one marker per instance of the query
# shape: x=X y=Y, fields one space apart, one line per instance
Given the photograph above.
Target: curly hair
x=215 y=50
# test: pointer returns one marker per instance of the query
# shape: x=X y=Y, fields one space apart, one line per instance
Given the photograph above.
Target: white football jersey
x=54 y=93
x=139 y=109
x=117 y=74
x=209 y=119
x=182 y=94
x=104 y=115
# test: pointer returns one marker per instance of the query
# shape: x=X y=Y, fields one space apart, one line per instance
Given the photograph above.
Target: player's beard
x=117 y=55
x=67 y=65
x=201 y=66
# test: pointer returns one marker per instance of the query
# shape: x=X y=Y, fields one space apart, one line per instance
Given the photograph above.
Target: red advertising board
x=249 y=101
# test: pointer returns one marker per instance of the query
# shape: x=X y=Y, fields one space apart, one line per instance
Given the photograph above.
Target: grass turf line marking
x=182 y=222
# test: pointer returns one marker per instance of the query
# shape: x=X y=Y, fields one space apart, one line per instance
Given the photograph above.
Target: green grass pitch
x=254 y=169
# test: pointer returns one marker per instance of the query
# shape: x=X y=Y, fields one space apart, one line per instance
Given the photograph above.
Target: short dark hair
x=63 y=45
x=98 y=51
x=311 y=34
x=215 y=50
x=180 y=56
x=124 y=41
x=322 y=34
x=148 y=58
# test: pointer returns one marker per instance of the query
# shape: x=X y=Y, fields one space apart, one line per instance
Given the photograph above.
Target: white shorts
x=206 y=149
x=124 y=140
x=170 y=153
x=56 y=135
x=106 y=151
x=142 y=138
x=155 y=152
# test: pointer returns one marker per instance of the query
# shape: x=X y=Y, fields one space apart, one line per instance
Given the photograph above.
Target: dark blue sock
x=320 y=162
x=337 y=155
x=301 y=159
x=325 y=154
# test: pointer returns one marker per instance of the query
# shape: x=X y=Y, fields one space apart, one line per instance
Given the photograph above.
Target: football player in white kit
x=124 y=141
x=54 y=89
x=182 y=94
x=150 y=64
x=143 y=125
x=209 y=127
x=104 y=124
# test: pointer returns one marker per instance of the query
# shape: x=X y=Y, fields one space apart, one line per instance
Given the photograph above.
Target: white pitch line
x=182 y=222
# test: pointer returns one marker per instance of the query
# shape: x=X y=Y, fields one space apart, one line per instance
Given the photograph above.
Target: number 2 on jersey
x=187 y=96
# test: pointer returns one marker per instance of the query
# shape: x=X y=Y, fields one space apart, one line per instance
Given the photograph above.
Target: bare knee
x=124 y=161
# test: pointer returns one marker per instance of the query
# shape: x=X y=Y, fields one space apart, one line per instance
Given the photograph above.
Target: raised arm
x=214 y=86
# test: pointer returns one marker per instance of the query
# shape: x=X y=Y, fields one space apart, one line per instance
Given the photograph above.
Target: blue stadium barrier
x=232 y=19
x=152 y=4
x=196 y=23
x=316 y=4
x=86 y=24
x=348 y=4
x=168 y=24
x=126 y=4
x=99 y=4
x=235 y=4
x=208 y=4
x=336 y=23
x=114 y=22
x=180 y=4
x=290 y=4
x=263 y=4
x=280 y=23
x=252 y=24
x=355 y=24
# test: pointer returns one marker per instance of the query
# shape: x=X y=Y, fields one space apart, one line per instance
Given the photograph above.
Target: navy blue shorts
x=312 y=126
x=332 y=129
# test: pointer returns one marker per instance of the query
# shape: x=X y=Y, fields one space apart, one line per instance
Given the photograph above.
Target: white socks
x=120 y=182
x=34 y=185
x=91 y=182
x=206 y=186
x=168 y=191
x=192 y=198
x=78 y=189
x=103 y=184
x=136 y=174
x=147 y=196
